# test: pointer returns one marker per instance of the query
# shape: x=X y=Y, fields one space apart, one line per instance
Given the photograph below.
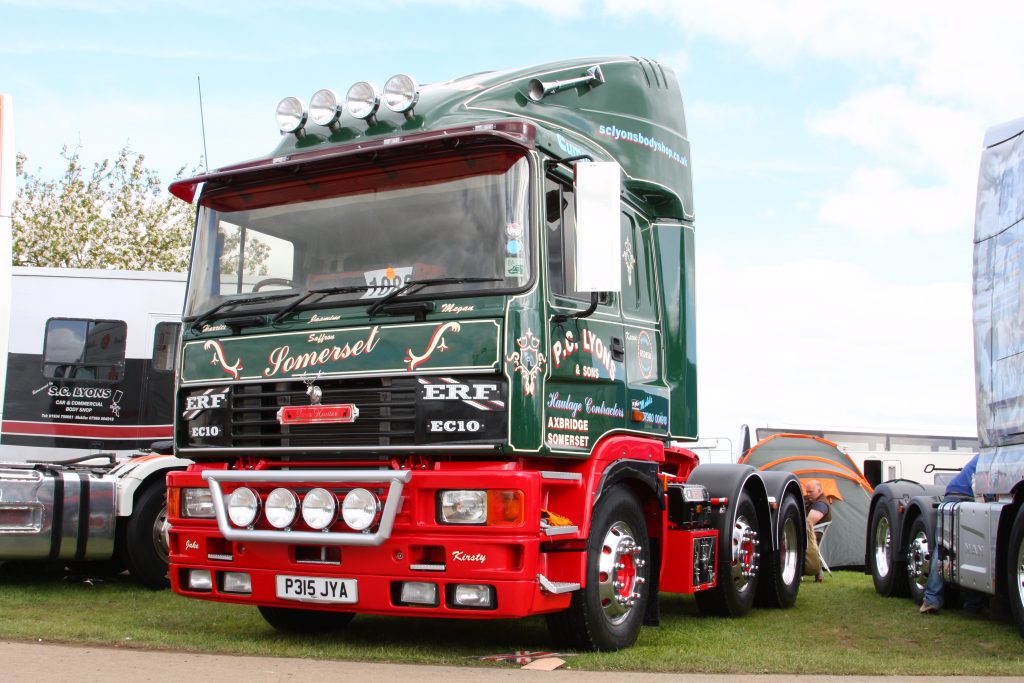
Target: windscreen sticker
x=383 y=281
x=515 y=267
x=514 y=230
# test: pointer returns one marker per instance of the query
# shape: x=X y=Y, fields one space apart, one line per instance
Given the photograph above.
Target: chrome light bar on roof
x=401 y=94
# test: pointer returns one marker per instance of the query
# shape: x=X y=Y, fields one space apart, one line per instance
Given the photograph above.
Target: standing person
x=960 y=488
x=818 y=511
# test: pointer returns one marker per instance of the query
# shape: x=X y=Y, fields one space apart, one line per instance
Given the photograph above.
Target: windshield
x=374 y=228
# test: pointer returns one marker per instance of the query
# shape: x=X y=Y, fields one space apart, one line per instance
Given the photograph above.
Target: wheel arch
x=139 y=474
x=730 y=481
x=779 y=485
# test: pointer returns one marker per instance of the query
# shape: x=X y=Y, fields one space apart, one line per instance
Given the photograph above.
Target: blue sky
x=835 y=149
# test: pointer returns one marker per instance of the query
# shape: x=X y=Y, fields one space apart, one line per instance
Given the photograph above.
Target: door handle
x=618 y=350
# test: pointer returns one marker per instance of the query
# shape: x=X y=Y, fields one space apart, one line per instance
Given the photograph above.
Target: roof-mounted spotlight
x=537 y=89
x=362 y=102
x=401 y=93
x=291 y=116
x=325 y=108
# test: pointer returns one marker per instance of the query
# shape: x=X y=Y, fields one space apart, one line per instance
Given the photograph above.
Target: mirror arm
x=561 y=317
x=550 y=163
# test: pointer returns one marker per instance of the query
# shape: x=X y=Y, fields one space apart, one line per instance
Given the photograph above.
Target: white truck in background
x=86 y=388
x=980 y=542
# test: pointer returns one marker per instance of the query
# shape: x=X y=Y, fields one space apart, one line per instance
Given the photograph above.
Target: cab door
x=585 y=387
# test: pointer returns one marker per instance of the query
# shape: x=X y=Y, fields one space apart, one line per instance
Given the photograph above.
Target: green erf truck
x=437 y=349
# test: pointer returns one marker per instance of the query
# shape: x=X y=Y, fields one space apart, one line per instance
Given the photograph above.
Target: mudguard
x=729 y=481
x=779 y=485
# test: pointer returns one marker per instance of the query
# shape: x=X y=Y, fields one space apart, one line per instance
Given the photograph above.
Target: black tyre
x=304 y=620
x=888 y=574
x=738 y=568
x=143 y=545
x=608 y=612
x=1015 y=571
x=920 y=547
x=784 y=565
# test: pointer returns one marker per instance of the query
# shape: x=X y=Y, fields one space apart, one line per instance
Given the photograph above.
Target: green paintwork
x=340 y=352
x=565 y=390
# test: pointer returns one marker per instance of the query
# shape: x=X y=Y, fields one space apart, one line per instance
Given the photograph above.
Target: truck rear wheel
x=919 y=557
x=143 y=545
x=304 y=620
x=786 y=563
x=1015 y=571
x=738 y=565
x=889 y=576
x=608 y=612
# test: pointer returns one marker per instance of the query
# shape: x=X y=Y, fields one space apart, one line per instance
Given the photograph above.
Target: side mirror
x=598 y=186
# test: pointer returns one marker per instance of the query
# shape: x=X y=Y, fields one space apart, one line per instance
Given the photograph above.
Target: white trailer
x=86 y=388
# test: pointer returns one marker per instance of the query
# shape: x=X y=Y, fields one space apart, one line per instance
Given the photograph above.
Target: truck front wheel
x=1015 y=571
x=739 y=560
x=919 y=558
x=304 y=620
x=888 y=575
x=607 y=613
x=142 y=545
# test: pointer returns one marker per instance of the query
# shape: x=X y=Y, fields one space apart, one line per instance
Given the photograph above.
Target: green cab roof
x=635 y=117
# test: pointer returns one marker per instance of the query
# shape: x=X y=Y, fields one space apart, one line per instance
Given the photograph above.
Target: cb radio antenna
x=202 y=123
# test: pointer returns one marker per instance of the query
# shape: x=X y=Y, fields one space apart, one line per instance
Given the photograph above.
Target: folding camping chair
x=819 y=533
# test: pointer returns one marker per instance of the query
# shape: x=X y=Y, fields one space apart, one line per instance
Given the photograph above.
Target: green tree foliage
x=116 y=216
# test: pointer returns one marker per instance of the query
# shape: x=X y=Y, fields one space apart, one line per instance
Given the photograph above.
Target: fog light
x=419 y=593
x=319 y=508
x=473 y=595
x=236 y=582
x=362 y=100
x=325 y=108
x=281 y=508
x=359 y=509
x=243 y=506
x=463 y=507
x=198 y=503
x=291 y=115
x=200 y=580
x=401 y=93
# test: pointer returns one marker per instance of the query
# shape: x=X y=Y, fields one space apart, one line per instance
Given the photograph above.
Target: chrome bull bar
x=396 y=479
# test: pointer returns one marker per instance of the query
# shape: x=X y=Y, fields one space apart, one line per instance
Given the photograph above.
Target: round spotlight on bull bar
x=401 y=93
x=325 y=108
x=291 y=116
x=243 y=506
x=362 y=101
x=360 y=509
x=281 y=508
x=319 y=508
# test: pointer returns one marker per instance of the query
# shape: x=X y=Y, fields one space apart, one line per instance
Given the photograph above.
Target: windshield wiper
x=325 y=291
x=417 y=285
x=231 y=303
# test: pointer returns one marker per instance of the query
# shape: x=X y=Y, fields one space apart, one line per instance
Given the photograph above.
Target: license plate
x=317 y=589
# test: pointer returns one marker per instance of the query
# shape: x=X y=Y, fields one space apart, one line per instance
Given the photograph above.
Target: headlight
x=694 y=493
x=325 y=108
x=281 y=508
x=464 y=507
x=401 y=93
x=291 y=115
x=319 y=508
x=198 y=503
x=243 y=506
x=359 y=509
x=362 y=100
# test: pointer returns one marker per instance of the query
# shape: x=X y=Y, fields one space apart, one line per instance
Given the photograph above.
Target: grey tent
x=809 y=457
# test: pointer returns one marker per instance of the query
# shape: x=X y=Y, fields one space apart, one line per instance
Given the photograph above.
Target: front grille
x=387 y=414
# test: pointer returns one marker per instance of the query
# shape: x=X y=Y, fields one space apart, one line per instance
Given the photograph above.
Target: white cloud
x=880 y=201
x=819 y=342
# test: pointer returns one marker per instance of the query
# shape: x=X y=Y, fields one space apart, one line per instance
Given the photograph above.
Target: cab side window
x=560 y=231
x=165 y=346
x=84 y=350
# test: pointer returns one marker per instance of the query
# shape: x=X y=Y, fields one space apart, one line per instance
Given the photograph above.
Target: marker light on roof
x=291 y=115
x=325 y=108
x=362 y=101
x=401 y=93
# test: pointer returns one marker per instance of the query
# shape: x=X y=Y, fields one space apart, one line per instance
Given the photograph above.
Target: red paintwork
x=512 y=556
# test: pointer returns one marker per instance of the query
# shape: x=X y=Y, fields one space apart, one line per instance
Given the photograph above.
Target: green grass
x=838 y=627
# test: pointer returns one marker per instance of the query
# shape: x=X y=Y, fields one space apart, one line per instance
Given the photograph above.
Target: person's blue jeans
x=973 y=600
